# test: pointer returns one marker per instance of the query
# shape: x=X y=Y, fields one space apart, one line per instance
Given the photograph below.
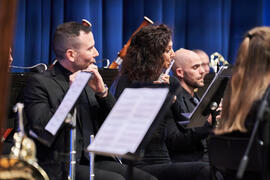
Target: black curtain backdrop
x=210 y=25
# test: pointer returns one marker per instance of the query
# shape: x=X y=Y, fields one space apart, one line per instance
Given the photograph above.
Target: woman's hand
x=164 y=79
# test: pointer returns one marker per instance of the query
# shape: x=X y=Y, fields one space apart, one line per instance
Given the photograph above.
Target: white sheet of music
x=129 y=120
x=196 y=117
x=69 y=100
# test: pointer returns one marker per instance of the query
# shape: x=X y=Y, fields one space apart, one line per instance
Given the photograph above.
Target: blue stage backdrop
x=210 y=25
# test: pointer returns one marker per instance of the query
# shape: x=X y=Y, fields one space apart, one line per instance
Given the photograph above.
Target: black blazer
x=42 y=96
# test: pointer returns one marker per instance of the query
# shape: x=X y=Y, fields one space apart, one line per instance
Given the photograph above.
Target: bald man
x=189 y=71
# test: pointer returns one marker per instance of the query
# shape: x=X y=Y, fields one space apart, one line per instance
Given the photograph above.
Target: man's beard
x=194 y=85
x=79 y=66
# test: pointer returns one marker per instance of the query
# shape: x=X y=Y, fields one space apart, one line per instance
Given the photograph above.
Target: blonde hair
x=251 y=77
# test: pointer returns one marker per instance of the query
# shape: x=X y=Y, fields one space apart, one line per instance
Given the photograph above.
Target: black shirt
x=186 y=101
x=194 y=151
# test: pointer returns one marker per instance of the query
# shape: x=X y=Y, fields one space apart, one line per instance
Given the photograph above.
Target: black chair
x=18 y=80
x=226 y=152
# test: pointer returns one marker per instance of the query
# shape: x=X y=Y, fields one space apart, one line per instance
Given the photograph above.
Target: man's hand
x=219 y=110
x=96 y=82
x=210 y=119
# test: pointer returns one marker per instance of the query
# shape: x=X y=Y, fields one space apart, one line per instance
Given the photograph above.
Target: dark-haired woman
x=149 y=53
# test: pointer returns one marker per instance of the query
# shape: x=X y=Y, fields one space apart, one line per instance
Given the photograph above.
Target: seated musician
x=189 y=70
x=75 y=50
x=250 y=79
x=149 y=53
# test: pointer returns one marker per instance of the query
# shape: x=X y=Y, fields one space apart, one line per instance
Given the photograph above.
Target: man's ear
x=71 y=54
x=179 y=72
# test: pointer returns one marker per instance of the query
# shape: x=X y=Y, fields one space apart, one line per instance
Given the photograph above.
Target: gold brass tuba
x=216 y=61
x=21 y=163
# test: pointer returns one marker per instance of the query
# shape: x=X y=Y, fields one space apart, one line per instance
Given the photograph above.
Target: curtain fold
x=112 y=28
x=197 y=24
x=244 y=16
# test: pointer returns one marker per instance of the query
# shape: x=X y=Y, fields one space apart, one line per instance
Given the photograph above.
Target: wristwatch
x=101 y=94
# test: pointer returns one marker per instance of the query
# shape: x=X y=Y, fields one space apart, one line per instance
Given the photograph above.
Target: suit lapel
x=60 y=79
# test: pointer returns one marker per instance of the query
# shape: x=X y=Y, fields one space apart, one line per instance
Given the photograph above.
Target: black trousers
x=104 y=170
x=180 y=171
x=111 y=170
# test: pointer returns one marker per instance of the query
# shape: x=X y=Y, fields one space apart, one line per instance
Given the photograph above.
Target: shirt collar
x=65 y=71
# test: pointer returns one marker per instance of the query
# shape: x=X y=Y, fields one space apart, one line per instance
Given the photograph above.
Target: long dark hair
x=144 y=59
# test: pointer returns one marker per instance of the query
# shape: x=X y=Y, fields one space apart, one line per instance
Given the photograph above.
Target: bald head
x=188 y=69
x=183 y=57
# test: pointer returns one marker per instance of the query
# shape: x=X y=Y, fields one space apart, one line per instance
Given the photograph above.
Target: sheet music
x=69 y=100
x=129 y=120
x=197 y=118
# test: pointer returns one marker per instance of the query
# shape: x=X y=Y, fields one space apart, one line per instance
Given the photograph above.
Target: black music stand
x=108 y=75
x=213 y=94
x=125 y=134
x=67 y=105
x=17 y=83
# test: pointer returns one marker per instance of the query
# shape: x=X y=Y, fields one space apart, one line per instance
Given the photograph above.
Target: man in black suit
x=75 y=50
x=189 y=70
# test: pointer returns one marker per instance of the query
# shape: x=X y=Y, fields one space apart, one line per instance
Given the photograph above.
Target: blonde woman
x=251 y=77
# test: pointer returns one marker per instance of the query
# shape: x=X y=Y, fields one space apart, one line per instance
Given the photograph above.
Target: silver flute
x=167 y=71
x=72 y=165
x=92 y=160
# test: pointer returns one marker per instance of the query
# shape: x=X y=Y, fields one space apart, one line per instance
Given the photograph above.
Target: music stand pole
x=262 y=109
x=129 y=172
x=92 y=160
x=72 y=165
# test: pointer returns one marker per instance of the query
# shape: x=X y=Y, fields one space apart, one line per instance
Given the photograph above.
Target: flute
x=167 y=71
x=92 y=160
x=72 y=165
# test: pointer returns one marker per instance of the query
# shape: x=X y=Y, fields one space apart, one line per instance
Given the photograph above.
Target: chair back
x=225 y=153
